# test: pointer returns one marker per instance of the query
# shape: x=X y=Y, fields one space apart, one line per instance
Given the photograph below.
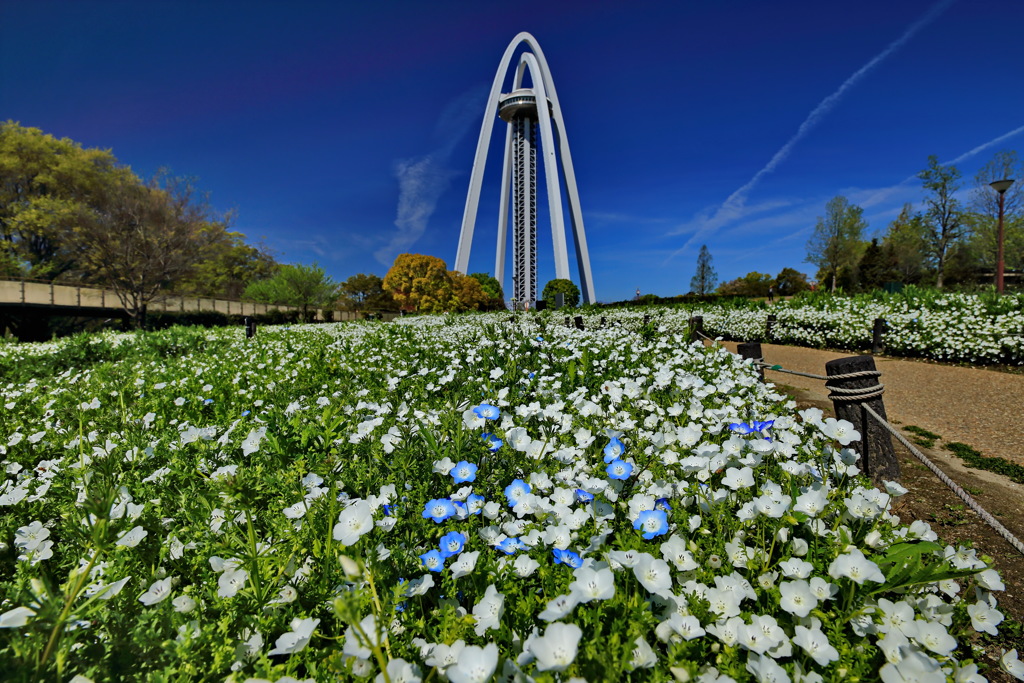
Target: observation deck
x=522 y=102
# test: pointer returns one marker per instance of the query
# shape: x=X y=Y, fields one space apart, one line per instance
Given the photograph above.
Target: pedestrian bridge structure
x=48 y=298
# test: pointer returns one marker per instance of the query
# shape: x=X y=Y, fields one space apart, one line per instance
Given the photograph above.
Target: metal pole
x=999 y=246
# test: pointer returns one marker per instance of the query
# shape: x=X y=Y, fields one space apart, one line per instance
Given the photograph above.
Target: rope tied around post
x=856 y=394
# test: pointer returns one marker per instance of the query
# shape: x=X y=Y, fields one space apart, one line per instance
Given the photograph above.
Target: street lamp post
x=1000 y=186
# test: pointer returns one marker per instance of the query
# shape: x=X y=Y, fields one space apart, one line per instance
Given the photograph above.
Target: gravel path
x=978 y=407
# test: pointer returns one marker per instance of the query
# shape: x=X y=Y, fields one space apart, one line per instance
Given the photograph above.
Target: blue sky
x=344 y=132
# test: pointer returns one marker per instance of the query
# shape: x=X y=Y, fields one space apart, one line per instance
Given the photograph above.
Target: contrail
x=883 y=194
x=982 y=148
x=734 y=203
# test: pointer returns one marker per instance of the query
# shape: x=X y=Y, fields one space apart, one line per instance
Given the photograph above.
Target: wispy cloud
x=732 y=207
x=422 y=180
x=885 y=194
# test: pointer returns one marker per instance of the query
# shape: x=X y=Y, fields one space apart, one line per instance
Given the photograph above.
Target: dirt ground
x=929 y=499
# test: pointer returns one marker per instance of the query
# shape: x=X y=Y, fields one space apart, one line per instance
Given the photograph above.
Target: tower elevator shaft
x=524 y=208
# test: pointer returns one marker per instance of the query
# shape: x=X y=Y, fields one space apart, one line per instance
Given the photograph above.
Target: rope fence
x=856 y=403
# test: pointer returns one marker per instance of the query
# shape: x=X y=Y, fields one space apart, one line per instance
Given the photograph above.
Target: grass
x=921 y=436
x=975 y=459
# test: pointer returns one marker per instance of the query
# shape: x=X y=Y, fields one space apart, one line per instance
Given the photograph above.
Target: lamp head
x=1001 y=186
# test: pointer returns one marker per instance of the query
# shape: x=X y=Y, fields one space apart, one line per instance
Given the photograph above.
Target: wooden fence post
x=250 y=327
x=602 y=321
x=769 y=328
x=697 y=326
x=568 y=321
x=877 y=336
x=578 y=320
x=853 y=384
x=752 y=351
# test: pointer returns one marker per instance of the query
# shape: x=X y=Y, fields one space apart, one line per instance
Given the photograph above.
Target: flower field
x=453 y=498
x=945 y=326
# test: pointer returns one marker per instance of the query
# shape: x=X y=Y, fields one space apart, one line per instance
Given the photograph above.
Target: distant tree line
x=949 y=240
x=73 y=215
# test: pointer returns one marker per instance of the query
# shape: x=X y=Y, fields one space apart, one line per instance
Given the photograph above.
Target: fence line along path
x=976 y=406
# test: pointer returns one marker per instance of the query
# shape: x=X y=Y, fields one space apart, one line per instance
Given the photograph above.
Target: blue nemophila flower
x=487 y=411
x=475 y=504
x=438 y=509
x=754 y=427
x=433 y=560
x=516 y=490
x=493 y=442
x=452 y=543
x=662 y=504
x=207 y=401
x=614 y=450
x=619 y=469
x=463 y=471
x=652 y=523
x=246 y=413
x=584 y=496
x=568 y=558
x=509 y=546
x=389 y=510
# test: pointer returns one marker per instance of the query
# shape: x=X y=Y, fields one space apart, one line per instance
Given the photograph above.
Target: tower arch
x=555 y=157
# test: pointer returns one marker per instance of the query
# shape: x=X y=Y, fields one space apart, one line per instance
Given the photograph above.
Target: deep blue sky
x=343 y=132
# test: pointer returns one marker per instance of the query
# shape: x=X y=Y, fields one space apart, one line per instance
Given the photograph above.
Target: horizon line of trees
x=950 y=240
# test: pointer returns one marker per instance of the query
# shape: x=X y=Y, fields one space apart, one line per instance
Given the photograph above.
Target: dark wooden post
x=769 y=329
x=568 y=322
x=602 y=321
x=578 y=320
x=250 y=327
x=877 y=336
x=697 y=327
x=647 y=319
x=752 y=350
x=853 y=384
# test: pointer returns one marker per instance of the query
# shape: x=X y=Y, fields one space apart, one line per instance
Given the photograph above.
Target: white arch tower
x=527 y=119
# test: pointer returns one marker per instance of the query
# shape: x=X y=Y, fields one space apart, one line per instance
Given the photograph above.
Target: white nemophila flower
x=297 y=639
x=183 y=604
x=465 y=563
x=933 y=636
x=797 y=598
x=489 y=610
x=106 y=592
x=251 y=443
x=559 y=607
x=679 y=627
x=230 y=582
x=353 y=522
x=557 y=648
x=592 y=584
x=654 y=574
x=840 y=430
x=158 y=592
x=19 y=616
x=1009 y=662
x=642 y=657
x=474 y=664
x=132 y=538
x=914 y=665
x=854 y=565
x=525 y=566
x=359 y=639
x=984 y=618
x=31 y=536
x=815 y=643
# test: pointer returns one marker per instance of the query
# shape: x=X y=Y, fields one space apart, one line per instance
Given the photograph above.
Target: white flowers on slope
x=353 y=522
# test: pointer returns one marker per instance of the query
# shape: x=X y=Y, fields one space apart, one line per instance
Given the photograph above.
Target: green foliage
x=295 y=285
x=943 y=218
x=922 y=437
x=418 y=282
x=975 y=459
x=492 y=288
x=705 y=279
x=752 y=284
x=567 y=288
x=835 y=246
x=790 y=282
x=364 y=292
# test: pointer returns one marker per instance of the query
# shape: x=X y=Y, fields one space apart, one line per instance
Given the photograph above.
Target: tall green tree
x=227 y=266
x=295 y=285
x=790 y=281
x=365 y=292
x=144 y=239
x=492 y=288
x=983 y=205
x=752 y=284
x=905 y=246
x=836 y=243
x=49 y=187
x=567 y=288
x=705 y=279
x=943 y=216
x=876 y=266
